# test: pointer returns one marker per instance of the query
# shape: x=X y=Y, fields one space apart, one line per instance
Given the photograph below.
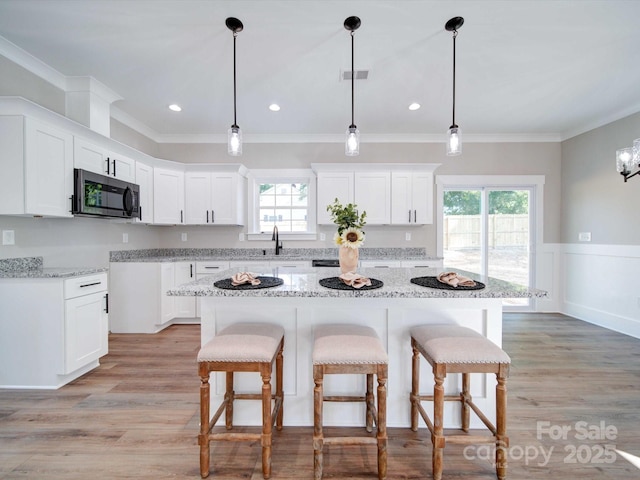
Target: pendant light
x=454 y=145
x=234 y=134
x=352 y=144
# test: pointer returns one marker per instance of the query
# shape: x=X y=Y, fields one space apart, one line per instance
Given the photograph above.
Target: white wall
x=599 y=280
x=73 y=242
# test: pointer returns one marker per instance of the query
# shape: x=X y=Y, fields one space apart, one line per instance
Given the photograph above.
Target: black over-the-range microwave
x=102 y=196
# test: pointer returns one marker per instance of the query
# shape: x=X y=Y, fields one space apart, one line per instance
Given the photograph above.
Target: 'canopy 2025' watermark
x=592 y=444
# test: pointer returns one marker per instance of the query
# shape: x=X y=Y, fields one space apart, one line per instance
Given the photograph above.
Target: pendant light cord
x=455 y=34
x=235 y=124
x=353 y=77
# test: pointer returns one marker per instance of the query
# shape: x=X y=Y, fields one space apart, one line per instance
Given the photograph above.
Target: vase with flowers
x=349 y=236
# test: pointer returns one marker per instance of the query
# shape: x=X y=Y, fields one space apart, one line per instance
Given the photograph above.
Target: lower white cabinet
x=379 y=263
x=138 y=299
x=53 y=330
x=431 y=263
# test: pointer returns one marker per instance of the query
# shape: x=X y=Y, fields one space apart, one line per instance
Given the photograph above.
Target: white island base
x=390 y=317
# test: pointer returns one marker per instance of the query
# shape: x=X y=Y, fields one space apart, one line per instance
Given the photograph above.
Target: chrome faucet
x=274 y=237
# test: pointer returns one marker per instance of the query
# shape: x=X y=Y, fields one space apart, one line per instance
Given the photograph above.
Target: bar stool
x=455 y=349
x=243 y=347
x=350 y=349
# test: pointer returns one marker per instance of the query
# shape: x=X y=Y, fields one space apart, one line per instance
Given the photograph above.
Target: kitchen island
x=301 y=303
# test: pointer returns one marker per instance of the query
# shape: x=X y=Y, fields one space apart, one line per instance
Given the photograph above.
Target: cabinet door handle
x=90 y=284
x=409 y=216
x=191 y=270
x=215 y=268
x=181 y=221
x=114 y=167
x=415 y=216
x=108 y=166
x=207 y=216
x=106 y=303
x=381 y=266
x=213 y=216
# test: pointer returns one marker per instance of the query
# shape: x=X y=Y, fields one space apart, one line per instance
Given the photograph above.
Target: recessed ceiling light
x=414 y=106
x=175 y=108
x=274 y=107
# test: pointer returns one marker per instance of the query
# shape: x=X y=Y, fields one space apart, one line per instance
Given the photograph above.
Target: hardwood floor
x=136 y=416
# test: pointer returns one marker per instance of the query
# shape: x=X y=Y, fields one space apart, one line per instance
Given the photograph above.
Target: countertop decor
x=433 y=282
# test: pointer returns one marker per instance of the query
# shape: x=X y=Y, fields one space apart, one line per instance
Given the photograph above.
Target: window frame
x=258 y=176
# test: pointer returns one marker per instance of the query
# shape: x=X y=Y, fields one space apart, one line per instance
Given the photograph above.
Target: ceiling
x=525 y=69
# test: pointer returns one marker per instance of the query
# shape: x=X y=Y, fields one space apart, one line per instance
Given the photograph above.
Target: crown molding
x=32 y=64
x=602 y=122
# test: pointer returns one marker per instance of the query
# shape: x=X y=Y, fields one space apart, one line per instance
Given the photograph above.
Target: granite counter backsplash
x=32 y=267
x=259 y=254
x=19 y=264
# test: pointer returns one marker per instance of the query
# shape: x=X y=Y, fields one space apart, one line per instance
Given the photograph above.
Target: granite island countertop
x=32 y=267
x=304 y=282
x=257 y=255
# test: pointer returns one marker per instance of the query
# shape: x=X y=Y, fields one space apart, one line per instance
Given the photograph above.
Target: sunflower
x=351 y=237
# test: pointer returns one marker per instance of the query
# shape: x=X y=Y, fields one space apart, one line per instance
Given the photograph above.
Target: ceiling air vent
x=360 y=74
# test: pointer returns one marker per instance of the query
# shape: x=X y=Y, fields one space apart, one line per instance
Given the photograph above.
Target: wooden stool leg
x=369 y=403
x=203 y=438
x=318 y=439
x=415 y=386
x=279 y=389
x=465 y=410
x=382 y=422
x=437 y=437
x=228 y=398
x=502 y=441
x=266 y=421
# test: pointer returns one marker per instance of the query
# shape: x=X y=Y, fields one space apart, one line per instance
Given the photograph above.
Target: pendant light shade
x=234 y=134
x=454 y=142
x=352 y=143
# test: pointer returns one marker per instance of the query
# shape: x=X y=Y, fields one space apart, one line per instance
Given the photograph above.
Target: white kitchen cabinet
x=411 y=198
x=430 y=263
x=98 y=159
x=145 y=307
x=185 y=307
x=144 y=179
x=332 y=185
x=372 y=194
x=86 y=321
x=370 y=191
x=379 y=263
x=53 y=331
x=214 y=198
x=168 y=196
x=37 y=168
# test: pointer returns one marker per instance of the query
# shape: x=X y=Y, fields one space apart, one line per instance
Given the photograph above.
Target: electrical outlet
x=125 y=238
x=584 y=236
x=407 y=236
x=183 y=237
x=241 y=237
x=323 y=237
x=8 y=237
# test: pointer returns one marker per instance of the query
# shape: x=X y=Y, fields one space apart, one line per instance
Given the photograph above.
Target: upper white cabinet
x=144 y=179
x=97 y=159
x=332 y=185
x=372 y=194
x=393 y=193
x=37 y=168
x=411 y=198
x=370 y=191
x=168 y=198
x=214 y=198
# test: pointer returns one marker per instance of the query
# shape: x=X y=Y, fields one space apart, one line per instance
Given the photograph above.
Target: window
x=283 y=199
x=284 y=205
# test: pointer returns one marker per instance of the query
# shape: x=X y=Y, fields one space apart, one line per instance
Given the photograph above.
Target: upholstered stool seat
x=456 y=349
x=350 y=349
x=243 y=347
